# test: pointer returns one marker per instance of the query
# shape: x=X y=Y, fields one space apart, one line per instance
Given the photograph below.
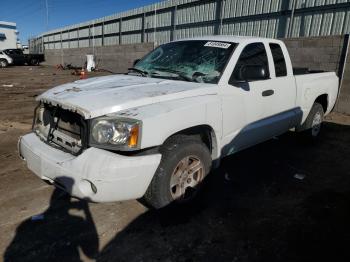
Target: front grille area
x=60 y=128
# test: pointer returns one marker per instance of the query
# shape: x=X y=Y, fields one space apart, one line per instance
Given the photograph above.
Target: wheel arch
x=323 y=101
x=205 y=133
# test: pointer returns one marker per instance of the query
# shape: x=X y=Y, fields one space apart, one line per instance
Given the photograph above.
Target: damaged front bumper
x=97 y=175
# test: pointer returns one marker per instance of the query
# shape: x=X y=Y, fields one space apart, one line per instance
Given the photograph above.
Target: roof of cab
x=233 y=39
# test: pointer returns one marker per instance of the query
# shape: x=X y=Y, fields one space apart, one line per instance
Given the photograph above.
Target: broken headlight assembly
x=115 y=133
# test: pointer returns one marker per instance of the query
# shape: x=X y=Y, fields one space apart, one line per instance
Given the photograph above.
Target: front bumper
x=97 y=175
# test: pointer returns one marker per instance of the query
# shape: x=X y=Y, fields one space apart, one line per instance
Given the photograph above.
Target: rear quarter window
x=279 y=60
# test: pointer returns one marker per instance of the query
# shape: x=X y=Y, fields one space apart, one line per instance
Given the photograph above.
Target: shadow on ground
x=254 y=209
x=56 y=234
x=284 y=200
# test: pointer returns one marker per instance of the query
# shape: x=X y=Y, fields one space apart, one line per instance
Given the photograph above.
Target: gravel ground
x=254 y=207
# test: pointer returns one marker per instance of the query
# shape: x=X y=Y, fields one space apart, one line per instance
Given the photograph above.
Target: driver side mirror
x=249 y=73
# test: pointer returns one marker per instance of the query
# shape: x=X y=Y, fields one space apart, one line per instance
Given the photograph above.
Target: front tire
x=184 y=164
x=3 y=63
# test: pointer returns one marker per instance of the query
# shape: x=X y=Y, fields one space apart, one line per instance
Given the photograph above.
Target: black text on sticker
x=218 y=44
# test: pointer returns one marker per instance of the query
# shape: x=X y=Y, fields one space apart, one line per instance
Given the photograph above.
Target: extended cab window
x=278 y=58
x=252 y=55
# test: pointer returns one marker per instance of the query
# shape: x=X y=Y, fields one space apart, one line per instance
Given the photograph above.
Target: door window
x=252 y=55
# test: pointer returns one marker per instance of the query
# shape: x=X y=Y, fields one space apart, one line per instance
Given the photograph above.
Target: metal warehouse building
x=316 y=33
x=175 y=19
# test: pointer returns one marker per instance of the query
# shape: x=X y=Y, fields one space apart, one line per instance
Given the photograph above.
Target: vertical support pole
x=42 y=45
x=143 y=29
x=89 y=36
x=103 y=33
x=290 y=29
x=282 y=30
x=69 y=39
x=62 y=61
x=78 y=29
x=173 y=23
x=120 y=31
x=218 y=17
x=93 y=38
x=155 y=26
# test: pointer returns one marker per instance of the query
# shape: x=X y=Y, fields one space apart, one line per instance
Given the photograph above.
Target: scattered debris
x=83 y=74
x=66 y=67
x=90 y=65
x=299 y=176
x=60 y=67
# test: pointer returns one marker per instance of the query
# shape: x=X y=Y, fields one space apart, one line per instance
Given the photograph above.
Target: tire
x=34 y=62
x=312 y=126
x=174 y=174
x=3 y=63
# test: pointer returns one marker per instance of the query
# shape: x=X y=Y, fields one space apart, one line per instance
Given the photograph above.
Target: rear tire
x=313 y=123
x=184 y=164
x=3 y=63
x=34 y=62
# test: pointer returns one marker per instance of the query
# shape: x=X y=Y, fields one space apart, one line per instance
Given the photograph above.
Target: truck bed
x=313 y=84
x=305 y=71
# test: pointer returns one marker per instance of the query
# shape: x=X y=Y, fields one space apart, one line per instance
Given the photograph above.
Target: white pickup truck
x=156 y=132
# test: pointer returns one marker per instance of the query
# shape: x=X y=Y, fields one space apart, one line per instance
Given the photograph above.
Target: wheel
x=3 y=63
x=34 y=62
x=313 y=123
x=184 y=164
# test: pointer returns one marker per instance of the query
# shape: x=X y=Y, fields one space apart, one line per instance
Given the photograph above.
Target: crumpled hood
x=108 y=94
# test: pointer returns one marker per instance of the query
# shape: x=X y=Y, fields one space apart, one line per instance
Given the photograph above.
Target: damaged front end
x=57 y=151
x=60 y=128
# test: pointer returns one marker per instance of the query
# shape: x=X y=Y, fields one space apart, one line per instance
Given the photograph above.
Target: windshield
x=197 y=61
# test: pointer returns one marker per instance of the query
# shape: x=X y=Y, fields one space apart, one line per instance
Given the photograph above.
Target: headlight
x=115 y=133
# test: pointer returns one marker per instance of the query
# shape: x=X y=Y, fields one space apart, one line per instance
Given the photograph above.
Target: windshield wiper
x=177 y=74
x=142 y=72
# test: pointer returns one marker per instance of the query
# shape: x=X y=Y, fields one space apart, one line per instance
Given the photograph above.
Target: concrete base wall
x=117 y=58
x=323 y=53
x=318 y=53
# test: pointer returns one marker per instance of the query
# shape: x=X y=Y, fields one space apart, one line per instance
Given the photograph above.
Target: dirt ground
x=254 y=207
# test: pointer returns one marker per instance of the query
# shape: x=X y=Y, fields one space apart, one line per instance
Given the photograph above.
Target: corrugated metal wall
x=175 y=19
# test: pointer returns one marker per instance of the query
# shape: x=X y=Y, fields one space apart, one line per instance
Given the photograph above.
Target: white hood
x=109 y=94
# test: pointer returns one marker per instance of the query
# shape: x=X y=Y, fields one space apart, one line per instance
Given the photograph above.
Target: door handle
x=269 y=92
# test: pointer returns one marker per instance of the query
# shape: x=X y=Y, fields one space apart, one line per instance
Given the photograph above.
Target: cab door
x=280 y=105
x=244 y=102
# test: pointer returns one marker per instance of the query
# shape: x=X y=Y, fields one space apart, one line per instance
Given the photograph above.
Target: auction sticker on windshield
x=218 y=44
